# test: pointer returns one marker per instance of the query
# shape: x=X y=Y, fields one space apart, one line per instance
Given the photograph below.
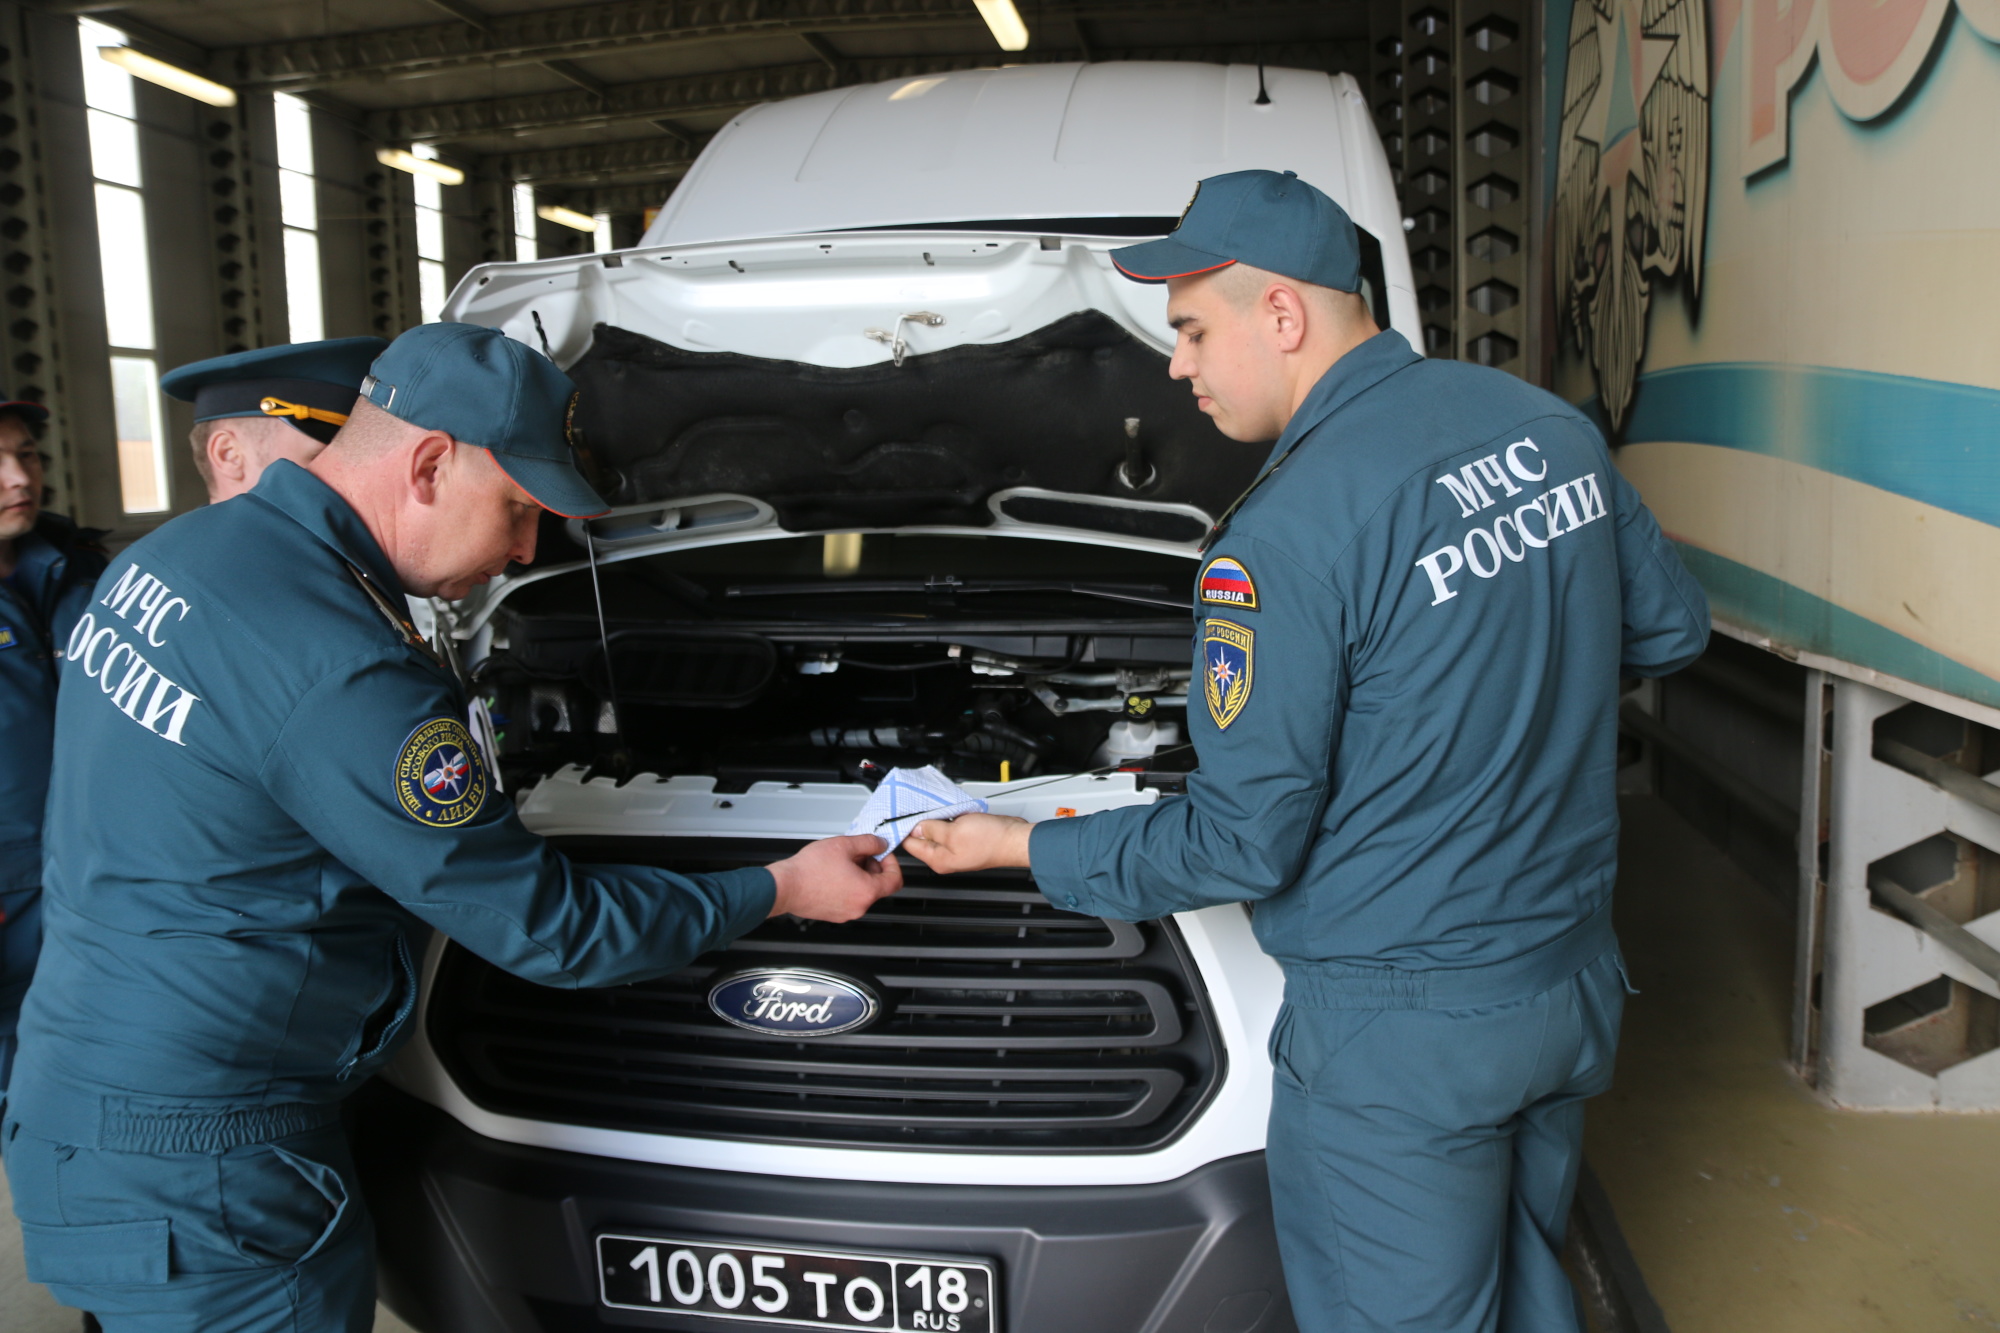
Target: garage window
x=128 y=278
x=524 y=221
x=430 y=238
x=298 y=206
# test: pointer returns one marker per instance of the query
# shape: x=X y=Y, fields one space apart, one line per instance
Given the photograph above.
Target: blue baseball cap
x=308 y=385
x=22 y=408
x=481 y=387
x=1267 y=219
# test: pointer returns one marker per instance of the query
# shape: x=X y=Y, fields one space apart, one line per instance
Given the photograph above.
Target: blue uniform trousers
x=1423 y=1160
x=20 y=945
x=199 y=1220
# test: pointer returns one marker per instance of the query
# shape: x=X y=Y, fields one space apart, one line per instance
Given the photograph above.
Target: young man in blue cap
x=266 y=790
x=47 y=568
x=1409 y=639
x=253 y=408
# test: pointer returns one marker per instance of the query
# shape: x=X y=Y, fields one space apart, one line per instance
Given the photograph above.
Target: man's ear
x=1285 y=315
x=430 y=459
x=228 y=459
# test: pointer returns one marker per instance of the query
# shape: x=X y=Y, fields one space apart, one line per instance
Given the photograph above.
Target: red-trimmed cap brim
x=556 y=487
x=1166 y=258
x=22 y=407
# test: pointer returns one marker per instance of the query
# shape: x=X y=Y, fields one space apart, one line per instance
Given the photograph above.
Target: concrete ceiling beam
x=617 y=26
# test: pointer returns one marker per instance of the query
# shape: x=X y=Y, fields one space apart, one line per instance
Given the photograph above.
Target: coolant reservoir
x=1131 y=740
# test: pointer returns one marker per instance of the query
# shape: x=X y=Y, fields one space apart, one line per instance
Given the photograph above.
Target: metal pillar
x=235 y=223
x=390 y=223
x=493 y=208
x=28 y=329
x=1815 y=826
x=1450 y=85
x=1909 y=984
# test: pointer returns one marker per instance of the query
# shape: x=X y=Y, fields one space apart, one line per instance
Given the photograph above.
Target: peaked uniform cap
x=481 y=387
x=308 y=385
x=1267 y=219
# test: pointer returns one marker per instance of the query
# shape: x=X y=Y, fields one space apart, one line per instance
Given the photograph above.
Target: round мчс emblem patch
x=440 y=778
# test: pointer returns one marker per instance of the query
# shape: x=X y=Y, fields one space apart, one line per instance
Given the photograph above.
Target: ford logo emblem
x=793 y=1002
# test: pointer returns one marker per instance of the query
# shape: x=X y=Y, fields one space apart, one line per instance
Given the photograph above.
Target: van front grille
x=1007 y=1026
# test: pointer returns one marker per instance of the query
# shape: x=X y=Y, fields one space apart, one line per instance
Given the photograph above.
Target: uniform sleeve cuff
x=1052 y=860
x=750 y=894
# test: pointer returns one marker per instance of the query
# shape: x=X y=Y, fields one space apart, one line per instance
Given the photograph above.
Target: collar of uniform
x=39 y=554
x=1354 y=374
x=319 y=509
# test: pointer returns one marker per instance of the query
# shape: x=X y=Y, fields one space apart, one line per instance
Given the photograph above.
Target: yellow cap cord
x=278 y=407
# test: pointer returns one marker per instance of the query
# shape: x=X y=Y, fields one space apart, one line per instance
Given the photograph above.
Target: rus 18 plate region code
x=804 y=1289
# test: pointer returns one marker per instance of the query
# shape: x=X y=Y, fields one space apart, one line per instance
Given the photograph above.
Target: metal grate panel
x=1007 y=1026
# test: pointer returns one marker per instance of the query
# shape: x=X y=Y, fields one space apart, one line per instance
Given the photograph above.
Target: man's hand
x=970 y=842
x=835 y=879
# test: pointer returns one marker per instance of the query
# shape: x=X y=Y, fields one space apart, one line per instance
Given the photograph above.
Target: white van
x=899 y=478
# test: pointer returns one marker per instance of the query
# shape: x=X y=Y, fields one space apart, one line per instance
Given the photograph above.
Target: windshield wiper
x=1141 y=594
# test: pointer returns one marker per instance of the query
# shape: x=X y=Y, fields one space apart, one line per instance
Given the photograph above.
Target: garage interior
x=1805 y=1129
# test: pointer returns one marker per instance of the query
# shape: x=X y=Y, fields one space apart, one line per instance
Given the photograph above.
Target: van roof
x=1060 y=141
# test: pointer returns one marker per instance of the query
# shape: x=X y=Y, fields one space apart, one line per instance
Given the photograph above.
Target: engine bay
x=834 y=659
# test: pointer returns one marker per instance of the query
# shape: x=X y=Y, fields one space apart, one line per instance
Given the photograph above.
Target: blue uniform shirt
x=263 y=784
x=1408 y=647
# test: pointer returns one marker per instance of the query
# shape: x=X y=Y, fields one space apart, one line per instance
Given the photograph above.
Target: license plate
x=767 y=1284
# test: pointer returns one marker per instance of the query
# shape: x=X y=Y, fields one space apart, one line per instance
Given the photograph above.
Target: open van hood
x=1080 y=407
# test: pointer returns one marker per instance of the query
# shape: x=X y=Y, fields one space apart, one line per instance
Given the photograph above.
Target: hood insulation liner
x=886 y=446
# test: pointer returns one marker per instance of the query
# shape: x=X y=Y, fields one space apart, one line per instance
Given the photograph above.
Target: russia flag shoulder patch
x=1226 y=581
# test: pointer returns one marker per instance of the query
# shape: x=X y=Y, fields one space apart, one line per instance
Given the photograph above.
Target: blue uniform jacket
x=55 y=568
x=264 y=783
x=1405 y=687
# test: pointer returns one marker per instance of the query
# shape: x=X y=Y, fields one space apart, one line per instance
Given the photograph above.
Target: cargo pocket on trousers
x=1305 y=1041
x=110 y=1253
x=280 y=1208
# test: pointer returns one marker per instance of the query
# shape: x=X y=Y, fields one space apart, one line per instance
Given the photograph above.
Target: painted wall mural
x=1633 y=167
x=1807 y=392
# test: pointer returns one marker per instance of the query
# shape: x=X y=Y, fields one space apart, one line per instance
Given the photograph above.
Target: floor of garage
x=1747 y=1203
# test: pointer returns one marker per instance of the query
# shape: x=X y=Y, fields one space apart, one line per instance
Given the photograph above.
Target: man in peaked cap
x=252 y=408
x=1408 y=650
x=268 y=795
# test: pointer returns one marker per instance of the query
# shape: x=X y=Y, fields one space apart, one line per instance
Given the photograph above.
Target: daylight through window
x=524 y=221
x=430 y=238
x=298 y=206
x=128 y=279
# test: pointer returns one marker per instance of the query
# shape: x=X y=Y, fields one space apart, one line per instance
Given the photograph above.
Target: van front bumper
x=478 y=1235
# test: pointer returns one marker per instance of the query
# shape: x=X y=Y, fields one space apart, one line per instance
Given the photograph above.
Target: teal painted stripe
x=1930 y=440
x=1792 y=616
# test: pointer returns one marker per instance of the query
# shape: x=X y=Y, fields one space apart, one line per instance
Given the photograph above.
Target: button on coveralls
x=1408 y=647
x=264 y=791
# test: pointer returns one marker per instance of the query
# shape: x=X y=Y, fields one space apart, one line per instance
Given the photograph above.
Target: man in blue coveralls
x=1410 y=637
x=253 y=408
x=265 y=791
x=46 y=570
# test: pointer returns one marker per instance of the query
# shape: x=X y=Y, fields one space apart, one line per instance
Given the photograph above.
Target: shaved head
x=1243 y=285
x=1253 y=343
x=370 y=431
x=446 y=514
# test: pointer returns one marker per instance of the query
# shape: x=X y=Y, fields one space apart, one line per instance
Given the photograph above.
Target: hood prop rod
x=621 y=757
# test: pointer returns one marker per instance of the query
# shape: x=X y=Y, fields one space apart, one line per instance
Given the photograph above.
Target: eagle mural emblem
x=1632 y=189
